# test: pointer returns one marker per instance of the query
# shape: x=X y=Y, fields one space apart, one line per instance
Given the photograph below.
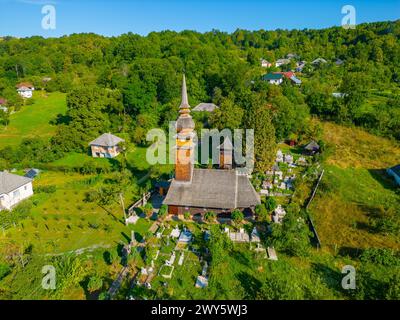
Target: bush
x=210 y=216
x=95 y=283
x=237 y=216
x=148 y=209
x=4 y=270
x=163 y=211
x=270 y=204
x=382 y=256
x=187 y=215
x=262 y=212
x=46 y=189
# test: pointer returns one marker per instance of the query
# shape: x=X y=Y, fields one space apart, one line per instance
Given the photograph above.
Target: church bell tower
x=184 y=161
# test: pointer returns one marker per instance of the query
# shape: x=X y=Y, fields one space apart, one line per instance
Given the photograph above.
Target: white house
x=25 y=89
x=13 y=189
x=265 y=63
x=273 y=78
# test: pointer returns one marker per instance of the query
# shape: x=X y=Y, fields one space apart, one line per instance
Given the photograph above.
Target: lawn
x=354 y=189
x=62 y=221
x=34 y=120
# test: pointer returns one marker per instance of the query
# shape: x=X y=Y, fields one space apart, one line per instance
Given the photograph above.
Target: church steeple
x=184 y=103
x=184 y=139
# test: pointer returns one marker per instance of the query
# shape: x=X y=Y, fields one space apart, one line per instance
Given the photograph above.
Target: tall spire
x=184 y=107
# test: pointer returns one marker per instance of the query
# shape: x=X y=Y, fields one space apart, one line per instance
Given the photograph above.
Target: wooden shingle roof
x=212 y=188
x=106 y=140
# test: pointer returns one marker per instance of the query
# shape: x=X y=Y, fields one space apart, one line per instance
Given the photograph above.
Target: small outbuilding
x=106 y=146
x=312 y=148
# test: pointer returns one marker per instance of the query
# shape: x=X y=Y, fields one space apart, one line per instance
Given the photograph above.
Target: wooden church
x=200 y=190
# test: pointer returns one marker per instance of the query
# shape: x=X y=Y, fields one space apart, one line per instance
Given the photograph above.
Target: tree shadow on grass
x=250 y=284
x=383 y=178
x=89 y=295
x=126 y=237
x=241 y=258
x=331 y=277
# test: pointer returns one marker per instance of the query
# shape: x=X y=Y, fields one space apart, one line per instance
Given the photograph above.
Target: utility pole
x=123 y=207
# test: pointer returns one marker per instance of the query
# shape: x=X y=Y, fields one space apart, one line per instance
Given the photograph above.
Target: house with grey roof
x=281 y=62
x=319 y=61
x=311 y=148
x=106 y=146
x=201 y=190
x=13 y=189
x=207 y=107
x=395 y=173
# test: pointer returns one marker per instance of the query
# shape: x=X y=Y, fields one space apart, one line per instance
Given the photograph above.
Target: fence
x=310 y=222
x=141 y=202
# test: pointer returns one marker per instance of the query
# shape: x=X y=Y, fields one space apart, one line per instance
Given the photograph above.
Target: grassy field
x=62 y=221
x=34 y=120
x=355 y=187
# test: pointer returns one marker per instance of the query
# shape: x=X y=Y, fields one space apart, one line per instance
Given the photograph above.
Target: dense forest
x=131 y=83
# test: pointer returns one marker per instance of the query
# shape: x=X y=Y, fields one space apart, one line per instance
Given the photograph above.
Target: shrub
x=187 y=215
x=270 y=204
x=163 y=211
x=237 y=216
x=95 y=283
x=262 y=212
x=4 y=270
x=148 y=209
x=210 y=216
x=46 y=189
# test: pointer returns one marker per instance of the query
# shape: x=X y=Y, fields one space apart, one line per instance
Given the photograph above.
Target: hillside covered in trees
x=142 y=75
x=87 y=84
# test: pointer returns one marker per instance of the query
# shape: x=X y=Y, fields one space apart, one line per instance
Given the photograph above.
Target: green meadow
x=34 y=120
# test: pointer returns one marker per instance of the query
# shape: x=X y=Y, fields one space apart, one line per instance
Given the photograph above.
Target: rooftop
x=273 y=76
x=209 y=107
x=106 y=140
x=213 y=188
x=10 y=182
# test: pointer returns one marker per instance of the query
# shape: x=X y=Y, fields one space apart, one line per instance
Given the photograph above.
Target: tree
x=262 y=213
x=162 y=213
x=210 y=216
x=270 y=204
x=95 y=283
x=237 y=216
x=148 y=209
x=259 y=118
x=293 y=235
x=228 y=115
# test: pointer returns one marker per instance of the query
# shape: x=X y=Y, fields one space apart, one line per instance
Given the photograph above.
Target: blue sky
x=23 y=18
